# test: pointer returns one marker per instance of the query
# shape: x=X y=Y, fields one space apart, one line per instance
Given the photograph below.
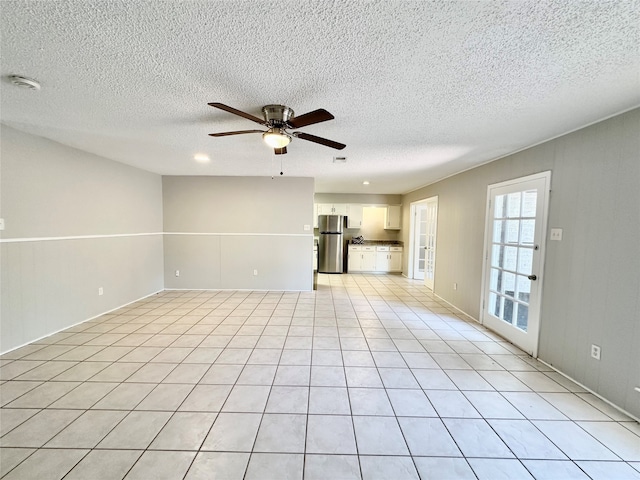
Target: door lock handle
x=532 y=277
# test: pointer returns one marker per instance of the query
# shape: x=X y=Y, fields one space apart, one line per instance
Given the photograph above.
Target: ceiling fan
x=279 y=119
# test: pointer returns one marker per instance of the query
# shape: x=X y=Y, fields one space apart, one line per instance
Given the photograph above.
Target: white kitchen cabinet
x=362 y=258
x=368 y=259
x=371 y=258
x=382 y=259
x=333 y=209
x=392 y=217
x=324 y=209
x=354 y=216
x=388 y=259
x=395 y=259
x=353 y=212
x=354 y=262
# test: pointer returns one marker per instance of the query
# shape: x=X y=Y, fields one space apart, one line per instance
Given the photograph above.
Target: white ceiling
x=420 y=90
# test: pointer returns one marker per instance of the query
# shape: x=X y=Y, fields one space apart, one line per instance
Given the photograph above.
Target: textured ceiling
x=420 y=90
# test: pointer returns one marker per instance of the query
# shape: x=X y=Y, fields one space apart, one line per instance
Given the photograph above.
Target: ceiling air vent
x=24 y=82
x=339 y=159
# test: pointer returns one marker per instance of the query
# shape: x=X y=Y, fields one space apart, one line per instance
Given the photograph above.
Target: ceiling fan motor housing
x=277 y=115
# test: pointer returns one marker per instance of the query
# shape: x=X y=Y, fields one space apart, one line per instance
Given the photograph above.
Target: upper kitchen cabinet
x=392 y=217
x=333 y=209
x=354 y=216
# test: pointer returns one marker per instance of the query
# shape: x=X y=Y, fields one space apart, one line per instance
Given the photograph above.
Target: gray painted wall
x=363 y=198
x=50 y=190
x=591 y=289
x=218 y=230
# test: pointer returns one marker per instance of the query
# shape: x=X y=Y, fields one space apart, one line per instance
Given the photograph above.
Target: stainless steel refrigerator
x=330 y=245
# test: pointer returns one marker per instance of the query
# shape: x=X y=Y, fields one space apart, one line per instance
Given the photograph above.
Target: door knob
x=532 y=277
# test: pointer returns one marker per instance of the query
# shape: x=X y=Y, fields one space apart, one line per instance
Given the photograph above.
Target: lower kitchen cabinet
x=388 y=259
x=395 y=263
x=369 y=258
x=362 y=258
x=382 y=259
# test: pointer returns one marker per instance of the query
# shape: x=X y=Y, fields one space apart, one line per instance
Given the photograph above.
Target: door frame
x=412 y=233
x=546 y=176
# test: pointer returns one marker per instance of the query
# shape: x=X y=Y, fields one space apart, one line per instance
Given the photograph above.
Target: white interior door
x=430 y=243
x=514 y=253
x=419 y=240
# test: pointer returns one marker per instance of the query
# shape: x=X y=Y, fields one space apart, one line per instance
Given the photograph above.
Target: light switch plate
x=556 y=234
x=1 y=223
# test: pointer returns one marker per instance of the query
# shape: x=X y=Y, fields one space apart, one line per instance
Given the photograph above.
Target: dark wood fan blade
x=280 y=151
x=239 y=132
x=317 y=116
x=235 y=111
x=321 y=141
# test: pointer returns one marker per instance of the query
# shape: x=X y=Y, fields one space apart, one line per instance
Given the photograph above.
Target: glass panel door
x=420 y=241
x=516 y=225
x=430 y=246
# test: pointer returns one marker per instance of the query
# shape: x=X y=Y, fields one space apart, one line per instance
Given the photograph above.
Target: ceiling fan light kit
x=276 y=138
x=278 y=119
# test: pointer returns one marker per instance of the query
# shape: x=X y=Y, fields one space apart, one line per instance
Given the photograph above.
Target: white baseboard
x=80 y=322
x=231 y=290
x=458 y=309
x=621 y=410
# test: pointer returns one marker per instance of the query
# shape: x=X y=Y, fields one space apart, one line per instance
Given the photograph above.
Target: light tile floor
x=368 y=377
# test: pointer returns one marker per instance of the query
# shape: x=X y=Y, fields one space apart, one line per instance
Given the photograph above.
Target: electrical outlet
x=595 y=352
x=556 y=234
x=255 y=272
x=455 y=286
x=1 y=223
x=100 y=291
x=307 y=228
x=177 y=273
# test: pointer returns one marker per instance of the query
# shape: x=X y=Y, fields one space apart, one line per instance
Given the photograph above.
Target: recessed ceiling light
x=366 y=182
x=201 y=157
x=24 y=82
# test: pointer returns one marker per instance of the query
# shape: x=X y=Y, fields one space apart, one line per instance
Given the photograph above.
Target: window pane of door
x=512 y=256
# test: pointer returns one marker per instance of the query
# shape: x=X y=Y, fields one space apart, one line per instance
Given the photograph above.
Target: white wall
x=218 y=230
x=74 y=222
x=591 y=289
x=373 y=219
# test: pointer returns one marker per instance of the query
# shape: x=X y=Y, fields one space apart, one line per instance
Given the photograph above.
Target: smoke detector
x=339 y=159
x=24 y=82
